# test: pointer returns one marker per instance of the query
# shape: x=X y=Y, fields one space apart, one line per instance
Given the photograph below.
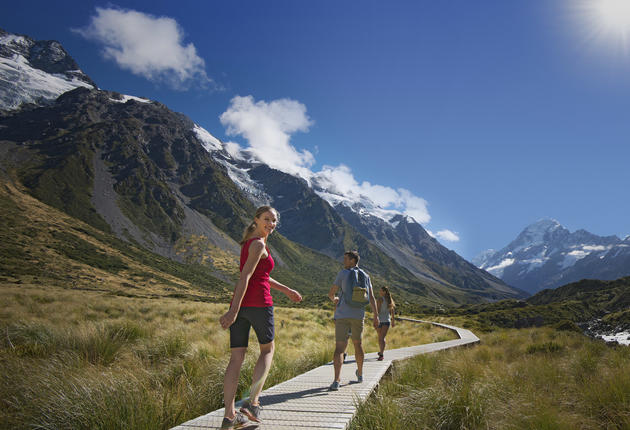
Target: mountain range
x=547 y=255
x=138 y=171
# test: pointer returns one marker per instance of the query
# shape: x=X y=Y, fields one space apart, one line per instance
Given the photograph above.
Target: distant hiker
x=355 y=292
x=252 y=305
x=385 y=305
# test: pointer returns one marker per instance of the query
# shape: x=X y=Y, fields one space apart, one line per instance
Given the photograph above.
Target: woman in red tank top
x=252 y=306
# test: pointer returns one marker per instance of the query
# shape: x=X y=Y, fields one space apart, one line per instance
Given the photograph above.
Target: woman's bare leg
x=382 y=332
x=230 y=381
x=261 y=370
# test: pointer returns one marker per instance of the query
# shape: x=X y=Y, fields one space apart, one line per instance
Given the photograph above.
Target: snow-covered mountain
x=547 y=255
x=397 y=235
x=35 y=71
x=141 y=171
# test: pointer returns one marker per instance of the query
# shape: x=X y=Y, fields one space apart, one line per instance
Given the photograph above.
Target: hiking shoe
x=334 y=386
x=380 y=357
x=252 y=412
x=359 y=377
x=237 y=422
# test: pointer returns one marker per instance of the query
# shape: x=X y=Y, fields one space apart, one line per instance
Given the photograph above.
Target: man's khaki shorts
x=345 y=325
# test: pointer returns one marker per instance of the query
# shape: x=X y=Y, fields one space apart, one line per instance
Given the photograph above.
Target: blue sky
x=478 y=117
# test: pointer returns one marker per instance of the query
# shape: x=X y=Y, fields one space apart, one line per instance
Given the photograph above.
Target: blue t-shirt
x=342 y=281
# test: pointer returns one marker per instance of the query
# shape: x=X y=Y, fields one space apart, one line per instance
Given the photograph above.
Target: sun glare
x=608 y=21
x=614 y=14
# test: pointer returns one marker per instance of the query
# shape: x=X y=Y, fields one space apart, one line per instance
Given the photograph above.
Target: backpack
x=356 y=296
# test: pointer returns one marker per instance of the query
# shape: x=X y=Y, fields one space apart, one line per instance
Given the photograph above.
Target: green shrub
x=550 y=347
x=567 y=325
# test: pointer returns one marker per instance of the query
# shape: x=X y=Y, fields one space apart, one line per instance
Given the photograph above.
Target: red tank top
x=258 y=294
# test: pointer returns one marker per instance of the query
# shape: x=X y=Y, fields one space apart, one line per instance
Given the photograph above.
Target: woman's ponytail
x=388 y=297
x=247 y=232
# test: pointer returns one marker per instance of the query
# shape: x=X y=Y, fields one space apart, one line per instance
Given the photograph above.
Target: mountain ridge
x=546 y=255
x=132 y=167
x=36 y=72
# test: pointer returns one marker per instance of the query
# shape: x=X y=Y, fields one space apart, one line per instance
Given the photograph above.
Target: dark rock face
x=305 y=217
x=157 y=164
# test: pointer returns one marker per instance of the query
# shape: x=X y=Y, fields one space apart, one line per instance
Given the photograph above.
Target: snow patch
x=126 y=98
x=572 y=257
x=499 y=268
x=535 y=263
x=251 y=188
x=209 y=142
x=13 y=39
x=591 y=248
x=21 y=83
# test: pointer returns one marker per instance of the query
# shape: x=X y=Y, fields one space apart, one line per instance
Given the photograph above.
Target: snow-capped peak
x=545 y=253
x=535 y=233
x=35 y=71
x=233 y=157
x=209 y=142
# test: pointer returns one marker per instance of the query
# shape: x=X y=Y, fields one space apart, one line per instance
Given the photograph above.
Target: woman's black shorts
x=259 y=318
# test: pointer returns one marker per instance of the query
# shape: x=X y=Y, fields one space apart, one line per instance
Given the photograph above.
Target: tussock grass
x=537 y=378
x=93 y=360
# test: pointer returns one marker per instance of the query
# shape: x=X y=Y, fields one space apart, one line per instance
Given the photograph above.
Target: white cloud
x=340 y=180
x=234 y=149
x=268 y=128
x=147 y=46
x=415 y=206
x=447 y=235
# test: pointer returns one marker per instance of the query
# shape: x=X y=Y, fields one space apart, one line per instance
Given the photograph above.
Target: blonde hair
x=252 y=226
x=388 y=297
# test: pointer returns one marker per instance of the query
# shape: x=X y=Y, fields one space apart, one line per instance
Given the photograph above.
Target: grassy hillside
x=537 y=378
x=44 y=246
x=576 y=302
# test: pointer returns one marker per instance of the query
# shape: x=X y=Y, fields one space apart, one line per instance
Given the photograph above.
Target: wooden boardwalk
x=304 y=402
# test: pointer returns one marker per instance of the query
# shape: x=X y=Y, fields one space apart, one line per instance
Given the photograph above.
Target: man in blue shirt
x=349 y=318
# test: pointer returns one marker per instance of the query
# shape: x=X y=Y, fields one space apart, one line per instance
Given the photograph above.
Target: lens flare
x=614 y=15
x=607 y=21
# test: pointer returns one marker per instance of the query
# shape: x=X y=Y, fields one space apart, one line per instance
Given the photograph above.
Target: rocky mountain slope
x=547 y=255
x=35 y=71
x=133 y=168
